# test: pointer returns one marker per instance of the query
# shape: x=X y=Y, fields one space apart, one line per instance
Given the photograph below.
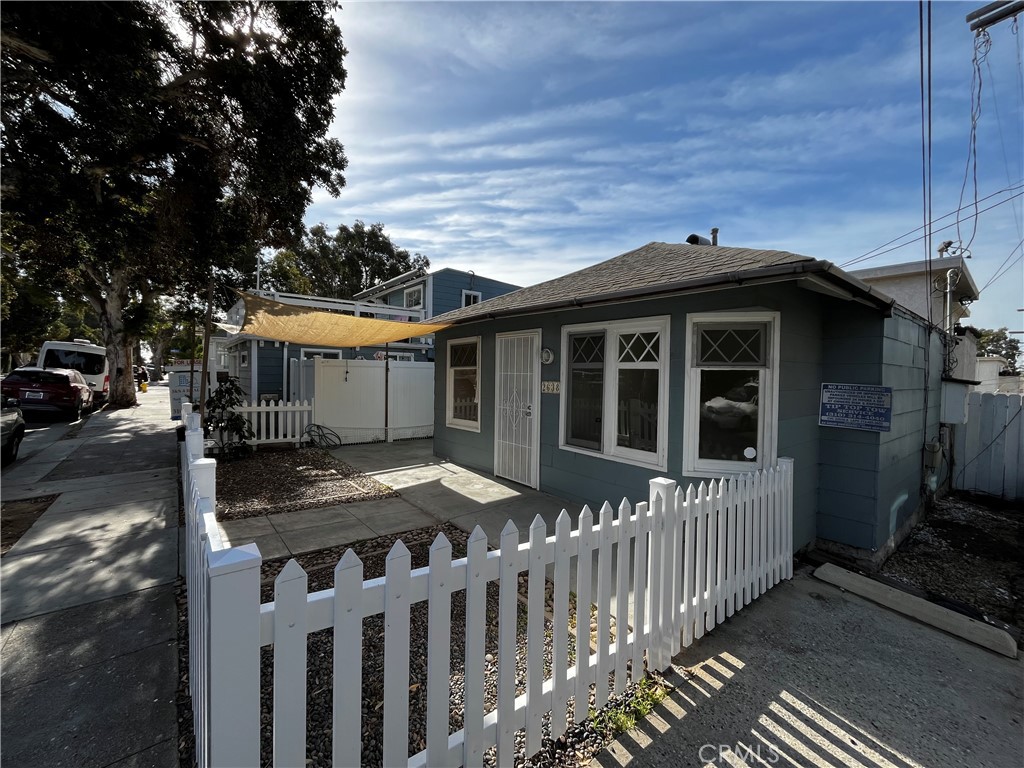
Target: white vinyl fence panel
x=696 y=556
x=276 y=422
x=350 y=399
x=989 y=449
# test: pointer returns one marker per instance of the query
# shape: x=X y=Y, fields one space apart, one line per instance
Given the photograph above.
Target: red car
x=53 y=390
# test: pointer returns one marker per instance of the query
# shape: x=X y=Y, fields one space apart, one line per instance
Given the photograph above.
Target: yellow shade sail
x=274 y=320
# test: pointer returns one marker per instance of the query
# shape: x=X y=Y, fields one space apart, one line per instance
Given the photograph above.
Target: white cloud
x=524 y=141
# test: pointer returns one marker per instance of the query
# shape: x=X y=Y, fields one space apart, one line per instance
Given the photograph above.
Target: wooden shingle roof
x=650 y=269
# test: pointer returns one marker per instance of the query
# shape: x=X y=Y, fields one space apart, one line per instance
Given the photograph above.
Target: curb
x=961 y=626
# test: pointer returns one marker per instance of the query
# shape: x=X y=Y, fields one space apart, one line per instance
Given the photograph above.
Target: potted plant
x=228 y=428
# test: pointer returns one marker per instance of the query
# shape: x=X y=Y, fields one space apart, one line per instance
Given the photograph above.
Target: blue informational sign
x=856 y=406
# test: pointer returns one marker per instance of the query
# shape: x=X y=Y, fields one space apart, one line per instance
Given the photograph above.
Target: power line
x=982 y=46
x=869 y=254
x=1002 y=141
x=1003 y=268
x=876 y=252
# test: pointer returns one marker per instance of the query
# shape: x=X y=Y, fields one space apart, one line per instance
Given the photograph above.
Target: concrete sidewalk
x=89 y=634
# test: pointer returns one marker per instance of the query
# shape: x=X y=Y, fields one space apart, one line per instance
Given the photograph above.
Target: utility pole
x=993 y=13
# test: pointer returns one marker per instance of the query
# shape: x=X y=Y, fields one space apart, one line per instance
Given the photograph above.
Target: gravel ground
x=970 y=553
x=579 y=744
x=271 y=481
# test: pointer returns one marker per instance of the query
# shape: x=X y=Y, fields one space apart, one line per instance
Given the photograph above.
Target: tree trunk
x=110 y=309
x=159 y=349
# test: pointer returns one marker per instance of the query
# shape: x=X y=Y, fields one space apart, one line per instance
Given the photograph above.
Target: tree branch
x=19 y=47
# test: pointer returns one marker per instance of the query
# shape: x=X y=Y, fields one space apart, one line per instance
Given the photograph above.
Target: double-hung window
x=412 y=298
x=731 y=391
x=615 y=399
x=462 y=396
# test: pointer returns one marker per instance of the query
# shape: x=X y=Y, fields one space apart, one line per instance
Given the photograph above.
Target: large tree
x=148 y=145
x=340 y=265
x=1000 y=343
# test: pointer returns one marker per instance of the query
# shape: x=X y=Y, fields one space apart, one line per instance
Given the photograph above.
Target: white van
x=83 y=356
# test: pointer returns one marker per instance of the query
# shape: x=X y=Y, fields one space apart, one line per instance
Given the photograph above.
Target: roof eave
x=390 y=285
x=790 y=271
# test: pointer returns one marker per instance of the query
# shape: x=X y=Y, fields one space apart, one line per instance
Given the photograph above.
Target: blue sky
x=527 y=140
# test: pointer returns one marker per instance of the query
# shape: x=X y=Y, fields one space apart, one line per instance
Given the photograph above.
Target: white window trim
x=411 y=289
x=450 y=421
x=465 y=293
x=768 y=398
x=319 y=351
x=610 y=416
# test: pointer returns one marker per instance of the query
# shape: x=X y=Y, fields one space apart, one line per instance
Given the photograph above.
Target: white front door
x=517 y=406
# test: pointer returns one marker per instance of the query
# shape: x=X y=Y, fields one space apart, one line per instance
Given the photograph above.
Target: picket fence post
x=665 y=574
x=234 y=657
x=786 y=467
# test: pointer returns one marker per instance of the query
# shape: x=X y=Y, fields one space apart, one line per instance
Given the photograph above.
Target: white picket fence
x=988 y=450
x=694 y=558
x=276 y=421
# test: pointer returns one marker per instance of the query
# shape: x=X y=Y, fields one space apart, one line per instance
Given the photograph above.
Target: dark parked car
x=49 y=390
x=13 y=429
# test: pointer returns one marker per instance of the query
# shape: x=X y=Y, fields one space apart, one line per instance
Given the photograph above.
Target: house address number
x=550 y=387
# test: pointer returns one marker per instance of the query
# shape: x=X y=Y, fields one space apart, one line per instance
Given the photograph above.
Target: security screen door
x=517 y=400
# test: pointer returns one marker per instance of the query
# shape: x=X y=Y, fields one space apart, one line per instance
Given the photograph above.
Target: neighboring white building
x=988 y=369
x=910 y=285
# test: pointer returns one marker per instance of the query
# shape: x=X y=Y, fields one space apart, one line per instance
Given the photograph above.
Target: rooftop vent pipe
x=699 y=240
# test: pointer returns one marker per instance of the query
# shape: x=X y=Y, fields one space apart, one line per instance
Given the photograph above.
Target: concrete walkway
x=432 y=491
x=89 y=634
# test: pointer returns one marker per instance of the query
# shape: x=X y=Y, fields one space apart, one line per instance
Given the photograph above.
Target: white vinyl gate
x=517 y=397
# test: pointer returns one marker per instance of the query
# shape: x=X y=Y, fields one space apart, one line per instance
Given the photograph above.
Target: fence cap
x=235 y=559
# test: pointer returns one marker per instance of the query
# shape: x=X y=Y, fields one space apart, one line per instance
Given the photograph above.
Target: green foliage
x=616 y=718
x=150 y=146
x=33 y=313
x=340 y=265
x=1000 y=343
x=230 y=427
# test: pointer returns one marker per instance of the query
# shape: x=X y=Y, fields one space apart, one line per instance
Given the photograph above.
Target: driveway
x=810 y=675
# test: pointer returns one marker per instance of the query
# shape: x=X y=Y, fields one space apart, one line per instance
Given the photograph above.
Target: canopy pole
x=387 y=393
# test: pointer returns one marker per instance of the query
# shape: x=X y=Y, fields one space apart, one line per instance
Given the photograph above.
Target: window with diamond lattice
x=734 y=345
x=638 y=348
x=616 y=385
x=585 y=390
x=637 y=380
x=730 y=394
x=463 y=392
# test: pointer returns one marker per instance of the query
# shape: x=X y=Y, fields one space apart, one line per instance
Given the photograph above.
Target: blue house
x=273 y=370
x=435 y=292
x=696 y=361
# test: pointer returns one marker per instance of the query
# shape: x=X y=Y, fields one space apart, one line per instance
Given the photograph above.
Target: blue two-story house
x=435 y=292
